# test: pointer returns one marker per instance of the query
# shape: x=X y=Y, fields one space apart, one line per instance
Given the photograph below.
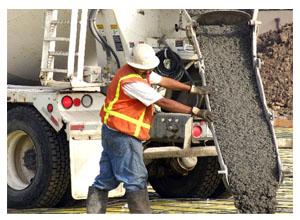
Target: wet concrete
x=195 y=206
x=241 y=127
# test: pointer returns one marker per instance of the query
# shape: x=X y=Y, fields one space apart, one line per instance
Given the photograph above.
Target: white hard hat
x=143 y=57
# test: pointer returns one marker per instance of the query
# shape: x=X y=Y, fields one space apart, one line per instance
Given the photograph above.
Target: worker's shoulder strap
x=130 y=76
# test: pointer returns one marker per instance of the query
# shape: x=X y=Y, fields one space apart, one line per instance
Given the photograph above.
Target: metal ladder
x=73 y=79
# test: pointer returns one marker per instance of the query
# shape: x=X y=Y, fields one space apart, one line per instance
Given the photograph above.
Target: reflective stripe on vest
x=139 y=123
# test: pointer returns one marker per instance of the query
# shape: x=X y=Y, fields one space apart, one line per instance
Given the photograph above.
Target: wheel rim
x=21 y=160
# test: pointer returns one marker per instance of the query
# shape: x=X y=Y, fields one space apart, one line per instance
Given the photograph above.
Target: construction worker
x=126 y=116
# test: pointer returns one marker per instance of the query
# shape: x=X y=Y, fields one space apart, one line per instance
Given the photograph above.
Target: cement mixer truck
x=60 y=63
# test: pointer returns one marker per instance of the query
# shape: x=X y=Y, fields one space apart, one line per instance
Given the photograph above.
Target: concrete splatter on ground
x=241 y=127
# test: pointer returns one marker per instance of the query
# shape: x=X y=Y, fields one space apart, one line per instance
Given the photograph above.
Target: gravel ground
x=242 y=130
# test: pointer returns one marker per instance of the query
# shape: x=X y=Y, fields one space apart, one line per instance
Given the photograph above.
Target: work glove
x=205 y=114
x=201 y=90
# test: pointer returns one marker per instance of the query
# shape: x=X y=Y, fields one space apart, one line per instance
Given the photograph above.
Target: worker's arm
x=176 y=85
x=173 y=106
x=147 y=95
x=173 y=84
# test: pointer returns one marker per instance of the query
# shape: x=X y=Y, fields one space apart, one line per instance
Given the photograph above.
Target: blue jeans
x=121 y=161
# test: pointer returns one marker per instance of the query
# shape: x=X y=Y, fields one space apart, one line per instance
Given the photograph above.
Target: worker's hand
x=205 y=114
x=201 y=90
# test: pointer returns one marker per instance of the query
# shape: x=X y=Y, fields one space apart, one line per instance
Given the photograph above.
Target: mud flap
x=84 y=164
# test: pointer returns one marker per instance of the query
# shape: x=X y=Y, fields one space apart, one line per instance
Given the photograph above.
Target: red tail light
x=67 y=102
x=50 y=108
x=197 y=131
x=77 y=102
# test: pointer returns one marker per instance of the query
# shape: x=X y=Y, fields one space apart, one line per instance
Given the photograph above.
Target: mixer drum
x=25 y=31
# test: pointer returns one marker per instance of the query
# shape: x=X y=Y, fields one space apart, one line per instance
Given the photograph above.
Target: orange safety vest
x=125 y=114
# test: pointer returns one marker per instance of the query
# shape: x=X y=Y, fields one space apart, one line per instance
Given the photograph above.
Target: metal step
x=66 y=39
x=54 y=70
x=60 y=53
x=60 y=22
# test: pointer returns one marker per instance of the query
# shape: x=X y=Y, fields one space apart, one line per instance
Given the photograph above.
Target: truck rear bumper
x=173 y=151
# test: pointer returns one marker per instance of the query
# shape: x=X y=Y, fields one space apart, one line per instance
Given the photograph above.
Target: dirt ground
x=275 y=49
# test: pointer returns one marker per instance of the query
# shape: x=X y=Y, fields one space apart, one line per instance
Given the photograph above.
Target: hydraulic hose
x=99 y=38
x=171 y=65
x=94 y=31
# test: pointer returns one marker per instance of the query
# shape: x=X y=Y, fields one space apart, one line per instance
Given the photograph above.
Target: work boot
x=138 y=201
x=96 y=201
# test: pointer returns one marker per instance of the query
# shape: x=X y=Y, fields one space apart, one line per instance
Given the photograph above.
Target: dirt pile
x=243 y=133
x=275 y=48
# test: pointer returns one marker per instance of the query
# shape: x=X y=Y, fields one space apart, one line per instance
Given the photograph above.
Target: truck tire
x=67 y=201
x=38 y=160
x=201 y=182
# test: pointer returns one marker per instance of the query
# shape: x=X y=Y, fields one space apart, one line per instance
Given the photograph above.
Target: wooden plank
x=283 y=123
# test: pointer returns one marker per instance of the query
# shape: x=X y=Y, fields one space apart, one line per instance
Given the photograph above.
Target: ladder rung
x=57 y=39
x=60 y=53
x=54 y=70
x=60 y=22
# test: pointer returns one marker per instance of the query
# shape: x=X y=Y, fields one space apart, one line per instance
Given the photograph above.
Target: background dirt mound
x=276 y=51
